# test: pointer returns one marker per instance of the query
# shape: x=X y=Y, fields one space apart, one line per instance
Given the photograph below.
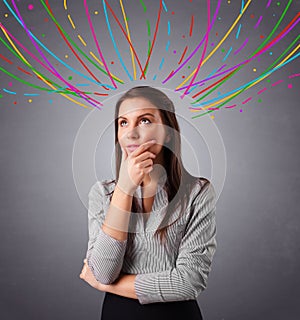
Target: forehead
x=133 y=107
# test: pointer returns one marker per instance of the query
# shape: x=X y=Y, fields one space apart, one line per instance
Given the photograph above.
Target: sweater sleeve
x=189 y=276
x=105 y=254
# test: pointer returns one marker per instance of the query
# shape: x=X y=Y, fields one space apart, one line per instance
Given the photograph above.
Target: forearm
x=117 y=218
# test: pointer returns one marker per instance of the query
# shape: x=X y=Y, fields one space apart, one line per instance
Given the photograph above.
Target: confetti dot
x=15 y=102
x=30 y=7
x=212 y=117
x=6 y=15
x=174 y=51
x=254 y=70
x=290 y=86
x=261 y=36
x=173 y=12
x=96 y=12
x=219 y=18
x=70 y=78
x=228 y=1
x=43 y=35
x=278 y=3
x=46 y=20
x=1 y=96
x=183 y=37
x=217 y=34
x=183 y=77
x=212 y=44
x=189 y=67
x=269 y=80
x=259 y=100
x=252 y=16
x=50 y=101
x=241 y=110
x=29 y=100
x=223 y=50
x=10 y=84
x=271 y=53
x=112 y=62
x=66 y=56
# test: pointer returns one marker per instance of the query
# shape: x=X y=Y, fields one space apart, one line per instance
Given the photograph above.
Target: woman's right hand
x=135 y=166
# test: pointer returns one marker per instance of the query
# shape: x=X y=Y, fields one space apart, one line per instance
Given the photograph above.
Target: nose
x=133 y=133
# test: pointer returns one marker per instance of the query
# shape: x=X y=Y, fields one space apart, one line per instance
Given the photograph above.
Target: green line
x=239 y=68
x=74 y=44
x=143 y=4
x=149 y=28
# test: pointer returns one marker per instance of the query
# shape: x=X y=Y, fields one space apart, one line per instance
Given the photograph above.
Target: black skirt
x=116 y=307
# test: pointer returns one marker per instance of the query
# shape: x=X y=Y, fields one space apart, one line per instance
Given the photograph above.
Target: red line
x=247 y=100
x=21 y=69
x=212 y=85
x=154 y=37
x=5 y=59
x=234 y=105
x=101 y=94
x=71 y=48
x=183 y=54
x=192 y=26
x=127 y=38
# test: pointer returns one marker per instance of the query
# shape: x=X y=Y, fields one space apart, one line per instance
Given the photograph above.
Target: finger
x=143 y=147
x=145 y=155
x=146 y=163
x=85 y=260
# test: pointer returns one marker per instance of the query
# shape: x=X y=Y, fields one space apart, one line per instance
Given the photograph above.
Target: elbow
x=196 y=283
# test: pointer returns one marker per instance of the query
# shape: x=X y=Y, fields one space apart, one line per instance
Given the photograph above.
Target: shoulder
x=202 y=190
x=102 y=188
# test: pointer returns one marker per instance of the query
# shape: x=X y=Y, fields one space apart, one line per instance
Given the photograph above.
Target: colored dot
x=10 y=84
x=173 y=12
x=15 y=102
x=29 y=100
x=290 y=86
x=217 y=34
x=30 y=6
x=66 y=56
x=174 y=51
x=252 y=16
x=259 y=100
x=223 y=50
x=70 y=78
x=271 y=53
x=1 y=96
x=183 y=77
x=189 y=67
x=43 y=35
x=261 y=36
x=278 y=3
x=212 y=44
x=254 y=70
x=6 y=15
x=183 y=37
x=228 y=1
x=274 y=14
x=269 y=80
x=112 y=62
x=96 y=12
x=241 y=110
x=50 y=101
x=219 y=18
x=46 y=19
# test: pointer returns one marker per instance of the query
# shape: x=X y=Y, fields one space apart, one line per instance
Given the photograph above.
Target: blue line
x=161 y=64
x=168 y=45
x=227 y=54
x=238 y=32
x=114 y=42
x=51 y=53
x=31 y=94
x=164 y=5
x=169 y=28
x=242 y=6
x=11 y=92
x=245 y=85
x=154 y=78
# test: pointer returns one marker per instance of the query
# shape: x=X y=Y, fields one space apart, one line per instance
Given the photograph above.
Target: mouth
x=132 y=147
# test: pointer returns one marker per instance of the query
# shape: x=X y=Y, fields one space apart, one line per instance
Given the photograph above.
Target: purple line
x=47 y=61
x=242 y=46
x=197 y=48
x=223 y=66
x=294 y=75
x=262 y=90
x=268 y=4
x=258 y=22
x=276 y=83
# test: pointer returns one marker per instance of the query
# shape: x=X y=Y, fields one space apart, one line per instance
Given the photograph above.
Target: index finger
x=143 y=147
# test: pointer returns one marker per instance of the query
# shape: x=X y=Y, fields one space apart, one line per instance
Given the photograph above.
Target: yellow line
x=82 y=41
x=252 y=84
x=71 y=21
x=128 y=33
x=219 y=44
x=65 y=4
x=38 y=75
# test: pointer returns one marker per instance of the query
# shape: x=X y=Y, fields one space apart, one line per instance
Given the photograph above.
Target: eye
x=145 y=121
x=122 y=123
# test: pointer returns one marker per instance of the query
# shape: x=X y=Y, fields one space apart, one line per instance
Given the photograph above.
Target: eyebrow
x=142 y=115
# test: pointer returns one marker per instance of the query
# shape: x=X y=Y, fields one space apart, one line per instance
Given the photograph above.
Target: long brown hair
x=179 y=182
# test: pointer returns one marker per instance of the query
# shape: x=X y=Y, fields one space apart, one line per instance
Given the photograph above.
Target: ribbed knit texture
x=174 y=271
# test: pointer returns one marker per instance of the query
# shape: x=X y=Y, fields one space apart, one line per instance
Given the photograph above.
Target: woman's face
x=138 y=122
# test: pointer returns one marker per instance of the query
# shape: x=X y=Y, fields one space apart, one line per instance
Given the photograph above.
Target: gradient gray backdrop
x=255 y=272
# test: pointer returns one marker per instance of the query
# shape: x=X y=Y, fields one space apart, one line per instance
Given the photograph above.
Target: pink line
x=242 y=46
x=204 y=50
x=258 y=22
x=231 y=106
x=268 y=4
x=97 y=44
x=262 y=90
x=247 y=100
x=294 y=75
x=213 y=108
x=276 y=83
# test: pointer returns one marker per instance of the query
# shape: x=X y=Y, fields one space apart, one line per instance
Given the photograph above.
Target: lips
x=132 y=147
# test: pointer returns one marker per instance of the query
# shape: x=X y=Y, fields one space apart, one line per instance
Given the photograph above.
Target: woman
x=152 y=230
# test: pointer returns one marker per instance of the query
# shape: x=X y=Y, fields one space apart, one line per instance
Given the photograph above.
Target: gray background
x=44 y=222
